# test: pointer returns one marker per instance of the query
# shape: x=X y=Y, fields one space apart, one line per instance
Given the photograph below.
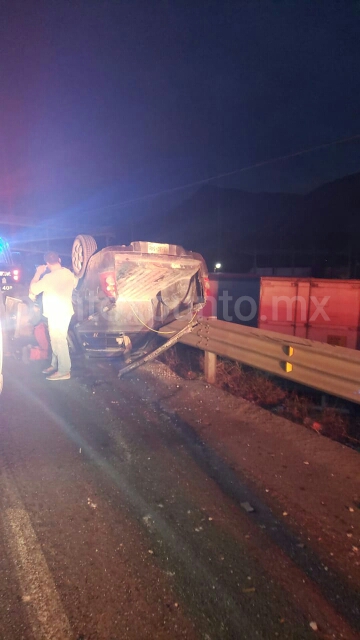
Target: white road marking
x=39 y=595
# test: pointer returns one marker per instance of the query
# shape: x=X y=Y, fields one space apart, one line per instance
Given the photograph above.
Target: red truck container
x=323 y=310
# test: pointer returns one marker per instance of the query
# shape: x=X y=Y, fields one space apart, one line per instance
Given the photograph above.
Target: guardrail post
x=210 y=367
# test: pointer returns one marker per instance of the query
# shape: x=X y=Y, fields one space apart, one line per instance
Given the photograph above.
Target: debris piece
x=285 y=513
x=306 y=462
x=147 y=521
x=249 y=590
x=313 y=626
x=316 y=426
x=247 y=507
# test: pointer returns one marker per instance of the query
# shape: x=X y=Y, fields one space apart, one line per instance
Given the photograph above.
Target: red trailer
x=318 y=309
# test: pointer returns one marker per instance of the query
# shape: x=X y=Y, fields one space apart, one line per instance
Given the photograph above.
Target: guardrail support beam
x=210 y=367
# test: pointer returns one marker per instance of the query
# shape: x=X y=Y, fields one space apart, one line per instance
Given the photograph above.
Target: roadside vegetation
x=328 y=416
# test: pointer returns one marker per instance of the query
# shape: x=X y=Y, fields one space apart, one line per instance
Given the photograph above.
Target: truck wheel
x=83 y=248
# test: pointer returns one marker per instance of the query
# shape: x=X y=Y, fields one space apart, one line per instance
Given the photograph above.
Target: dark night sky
x=107 y=101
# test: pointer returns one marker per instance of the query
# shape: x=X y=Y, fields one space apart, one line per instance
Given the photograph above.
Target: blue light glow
x=5 y=253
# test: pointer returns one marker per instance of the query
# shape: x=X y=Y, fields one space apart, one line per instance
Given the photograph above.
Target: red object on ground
x=40 y=352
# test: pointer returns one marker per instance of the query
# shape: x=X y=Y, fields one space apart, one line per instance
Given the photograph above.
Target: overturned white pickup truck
x=126 y=293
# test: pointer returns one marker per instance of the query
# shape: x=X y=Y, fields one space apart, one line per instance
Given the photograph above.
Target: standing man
x=57 y=287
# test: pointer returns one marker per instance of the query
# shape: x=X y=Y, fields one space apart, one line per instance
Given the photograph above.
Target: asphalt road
x=114 y=527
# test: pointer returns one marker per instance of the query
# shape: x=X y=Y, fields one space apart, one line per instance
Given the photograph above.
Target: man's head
x=52 y=260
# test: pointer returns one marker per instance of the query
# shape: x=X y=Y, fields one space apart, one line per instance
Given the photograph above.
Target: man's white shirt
x=57 y=288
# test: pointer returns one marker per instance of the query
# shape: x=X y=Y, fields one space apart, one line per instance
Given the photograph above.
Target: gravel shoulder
x=309 y=481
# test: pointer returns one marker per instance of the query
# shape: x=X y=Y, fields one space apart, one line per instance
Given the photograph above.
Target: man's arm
x=37 y=285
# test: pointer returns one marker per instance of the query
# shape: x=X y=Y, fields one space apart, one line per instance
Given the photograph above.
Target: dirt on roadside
x=309 y=481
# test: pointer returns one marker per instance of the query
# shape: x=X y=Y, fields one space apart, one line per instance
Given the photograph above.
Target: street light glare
x=218 y=265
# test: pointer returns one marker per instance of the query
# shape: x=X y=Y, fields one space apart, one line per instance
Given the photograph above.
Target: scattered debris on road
x=247 y=507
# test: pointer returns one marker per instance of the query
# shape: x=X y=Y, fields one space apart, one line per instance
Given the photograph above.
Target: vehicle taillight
x=16 y=274
x=206 y=287
x=108 y=284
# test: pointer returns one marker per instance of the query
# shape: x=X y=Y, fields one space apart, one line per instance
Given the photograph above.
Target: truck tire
x=82 y=250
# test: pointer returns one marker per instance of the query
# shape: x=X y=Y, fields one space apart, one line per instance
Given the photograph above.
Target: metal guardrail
x=334 y=370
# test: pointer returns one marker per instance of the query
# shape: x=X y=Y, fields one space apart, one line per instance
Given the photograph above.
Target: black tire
x=82 y=250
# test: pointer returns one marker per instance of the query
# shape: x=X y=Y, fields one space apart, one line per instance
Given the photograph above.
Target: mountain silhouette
x=224 y=224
